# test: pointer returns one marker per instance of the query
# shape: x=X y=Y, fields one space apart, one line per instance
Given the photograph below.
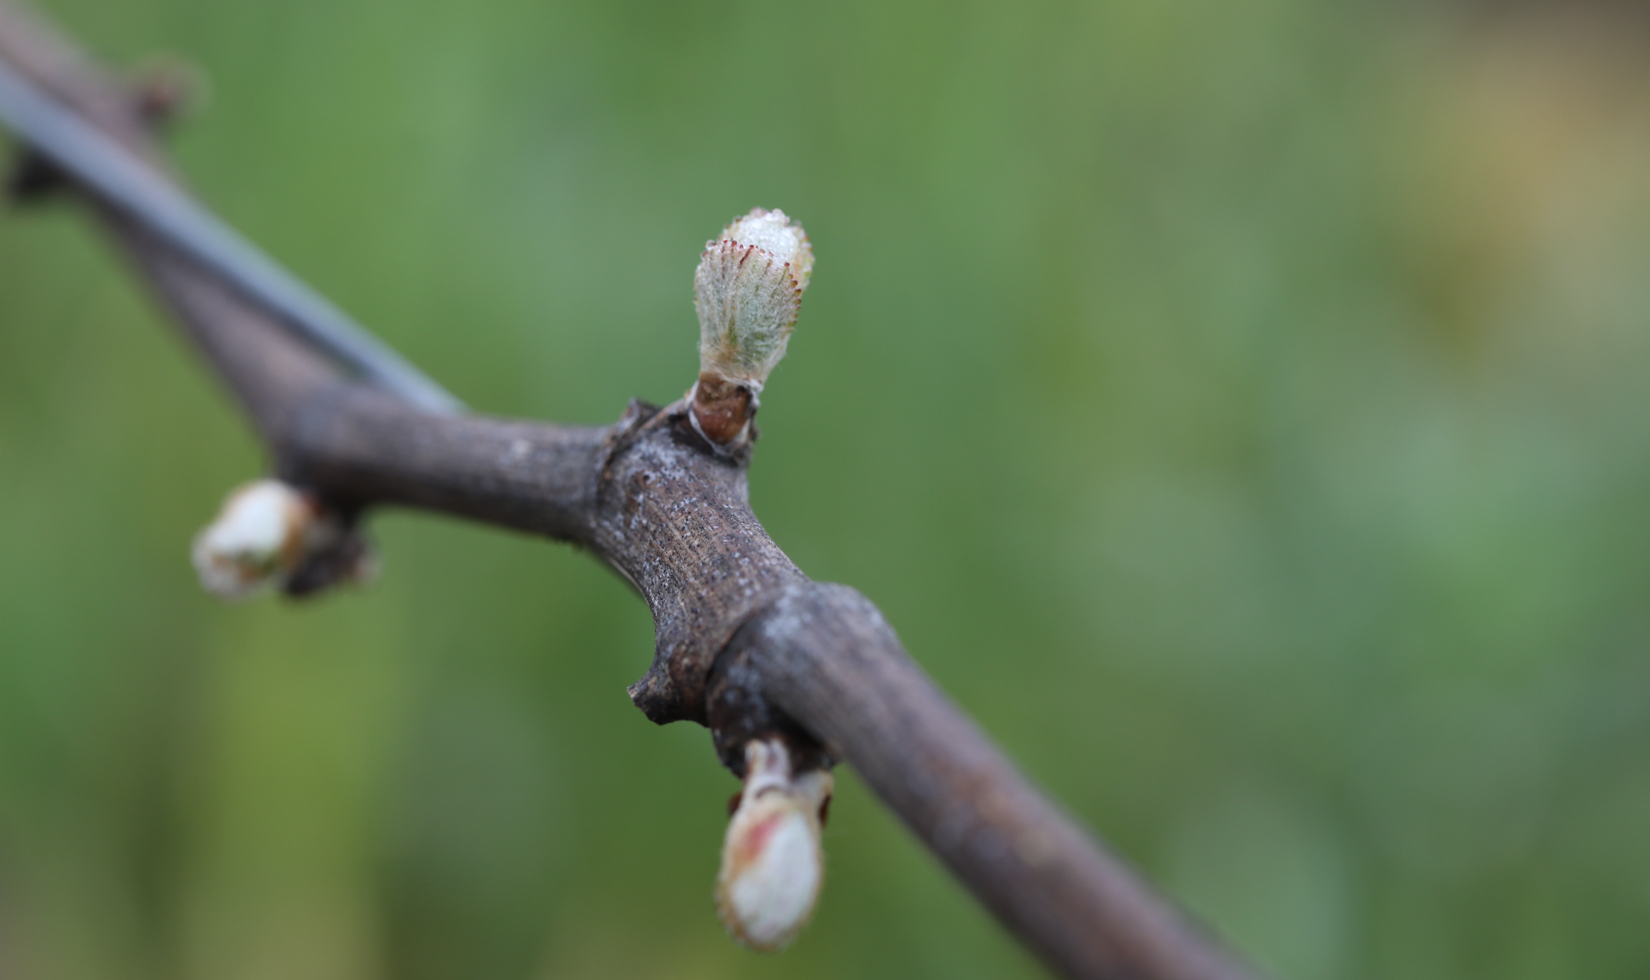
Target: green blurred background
x=1242 y=409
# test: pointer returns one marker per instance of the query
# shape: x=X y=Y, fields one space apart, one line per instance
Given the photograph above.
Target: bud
x=266 y=531
x=747 y=291
x=771 y=861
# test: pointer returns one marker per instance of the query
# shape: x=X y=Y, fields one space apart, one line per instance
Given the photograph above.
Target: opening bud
x=772 y=865
x=269 y=534
x=747 y=291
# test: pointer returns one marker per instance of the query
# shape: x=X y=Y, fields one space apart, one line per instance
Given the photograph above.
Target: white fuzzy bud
x=747 y=291
x=263 y=533
x=772 y=865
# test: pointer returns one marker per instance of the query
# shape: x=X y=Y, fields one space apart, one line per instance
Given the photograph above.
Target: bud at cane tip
x=771 y=861
x=265 y=531
x=747 y=291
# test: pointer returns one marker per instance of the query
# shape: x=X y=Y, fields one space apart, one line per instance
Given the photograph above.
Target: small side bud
x=747 y=291
x=272 y=534
x=772 y=865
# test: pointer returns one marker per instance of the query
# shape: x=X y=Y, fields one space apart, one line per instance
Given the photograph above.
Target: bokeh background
x=1243 y=409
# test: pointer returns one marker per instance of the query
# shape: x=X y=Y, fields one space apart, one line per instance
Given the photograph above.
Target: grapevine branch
x=746 y=644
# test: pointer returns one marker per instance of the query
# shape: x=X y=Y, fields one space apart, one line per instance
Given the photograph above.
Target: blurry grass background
x=1242 y=409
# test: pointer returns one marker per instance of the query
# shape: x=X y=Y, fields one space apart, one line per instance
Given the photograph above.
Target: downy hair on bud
x=747 y=291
